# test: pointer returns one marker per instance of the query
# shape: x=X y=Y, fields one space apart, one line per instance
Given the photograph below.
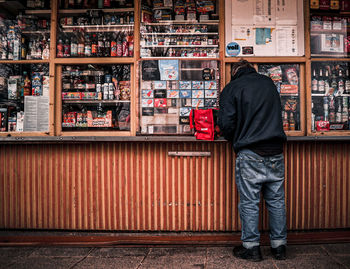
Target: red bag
x=203 y=122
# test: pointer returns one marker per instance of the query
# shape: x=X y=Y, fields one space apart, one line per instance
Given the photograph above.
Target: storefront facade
x=85 y=157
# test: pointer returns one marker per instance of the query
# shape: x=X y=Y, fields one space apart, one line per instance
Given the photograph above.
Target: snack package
x=169 y=69
x=292 y=76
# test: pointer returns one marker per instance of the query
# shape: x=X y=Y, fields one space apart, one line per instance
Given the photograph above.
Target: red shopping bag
x=203 y=121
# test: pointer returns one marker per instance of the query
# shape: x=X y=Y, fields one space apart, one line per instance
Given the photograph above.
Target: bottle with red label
x=125 y=46
x=131 y=44
x=114 y=45
x=119 y=46
x=107 y=3
x=94 y=46
x=107 y=42
x=60 y=48
x=66 y=48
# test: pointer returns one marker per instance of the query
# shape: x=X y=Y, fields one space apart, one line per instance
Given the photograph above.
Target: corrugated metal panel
x=138 y=187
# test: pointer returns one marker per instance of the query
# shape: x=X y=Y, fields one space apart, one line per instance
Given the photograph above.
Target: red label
x=322 y=125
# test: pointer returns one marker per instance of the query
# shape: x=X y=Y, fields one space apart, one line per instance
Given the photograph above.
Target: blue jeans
x=255 y=174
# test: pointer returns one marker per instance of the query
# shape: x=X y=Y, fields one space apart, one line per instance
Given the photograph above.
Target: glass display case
x=96 y=97
x=24 y=98
x=169 y=89
x=95 y=29
x=24 y=30
x=179 y=29
x=330 y=91
x=330 y=29
x=287 y=80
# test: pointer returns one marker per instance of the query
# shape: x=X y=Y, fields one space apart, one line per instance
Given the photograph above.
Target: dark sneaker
x=279 y=253
x=251 y=254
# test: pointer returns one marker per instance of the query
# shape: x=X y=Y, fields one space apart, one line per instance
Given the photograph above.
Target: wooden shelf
x=324 y=95
x=95 y=101
x=93 y=60
x=24 y=61
x=180 y=46
x=271 y=59
x=335 y=55
x=329 y=59
x=96 y=28
x=209 y=22
x=107 y=10
x=38 y=12
x=190 y=34
x=178 y=58
x=39 y=32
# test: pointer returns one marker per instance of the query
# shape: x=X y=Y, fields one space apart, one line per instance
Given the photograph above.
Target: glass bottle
x=66 y=48
x=107 y=42
x=314 y=82
x=87 y=50
x=334 y=84
x=326 y=83
x=101 y=46
x=285 y=121
x=321 y=88
x=347 y=83
x=81 y=46
x=27 y=87
x=60 y=48
x=73 y=46
x=94 y=45
x=291 y=122
x=341 y=86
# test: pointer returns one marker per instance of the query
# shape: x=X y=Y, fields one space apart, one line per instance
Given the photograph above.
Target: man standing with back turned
x=250 y=116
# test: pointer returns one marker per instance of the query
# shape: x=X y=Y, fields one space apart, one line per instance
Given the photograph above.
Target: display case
x=24 y=67
x=287 y=80
x=169 y=89
x=179 y=29
x=330 y=28
x=95 y=98
x=330 y=92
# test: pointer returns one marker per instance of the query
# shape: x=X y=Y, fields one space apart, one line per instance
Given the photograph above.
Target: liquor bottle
x=291 y=122
x=341 y=86
x=107 y=42
x=81 y=46
x=73 y=46
x=314 y=82
x=338 y=115
x=87 y=50
x=105 y=89
x=66 y=48
x=99 y=87
x=100 y=3
x=131 y=44
x=347 y=83
x=94 y=45
x=114 y=45
x=107 y=3
x=27 y=87
x=78 y=3
x=285 y=122
x=325 y=108
x=125 y=46
x=110 y=90
x=101 y=46
x=334 y=84
x=321 y=88
x=23 y=49
x=326 y=83
x=331 y=109
x=59 y=48
x=312 y=117
x=345 y=112
x=71 y=4
x=119 y=46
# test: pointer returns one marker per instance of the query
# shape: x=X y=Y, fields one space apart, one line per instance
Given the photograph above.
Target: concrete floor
x=321 y=256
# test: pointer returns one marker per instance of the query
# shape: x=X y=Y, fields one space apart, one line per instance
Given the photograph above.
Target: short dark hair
x=237 y=65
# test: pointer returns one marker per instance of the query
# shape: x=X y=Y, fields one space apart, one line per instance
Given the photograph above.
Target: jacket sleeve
x=227 y=114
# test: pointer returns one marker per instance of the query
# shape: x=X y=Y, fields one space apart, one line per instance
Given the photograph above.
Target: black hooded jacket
x=250 y=113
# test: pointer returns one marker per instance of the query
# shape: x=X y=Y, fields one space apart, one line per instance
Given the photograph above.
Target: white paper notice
x=242 y=12
x=36 y=114
x=286 y=12
x=264 y=12
x=286 y=38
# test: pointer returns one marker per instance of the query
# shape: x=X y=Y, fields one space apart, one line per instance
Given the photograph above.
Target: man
x=250 y=116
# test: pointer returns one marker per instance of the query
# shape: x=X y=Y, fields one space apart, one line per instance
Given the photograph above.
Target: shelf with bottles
x=96 y=97
x=330 y=95
x=178 y=29
x=24 y=37
x=24 y=92
x=96 y=34
x=287 y=80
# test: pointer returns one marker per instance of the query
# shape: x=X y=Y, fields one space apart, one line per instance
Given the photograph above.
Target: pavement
x=327 y=256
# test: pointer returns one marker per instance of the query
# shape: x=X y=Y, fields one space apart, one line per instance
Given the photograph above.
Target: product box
x=159 y=85
x=322 y=125
x=147 y=103
x=12 y=121
x=197 y=85
x=173 y=94
x=13 y=86
x=197 y=103
x=210 y=85
x=211 y=102
x=160 y=102
x=147 y=94
x=210 y=93
x=105 y=121
x=89 y=95
x=71 y=95
x=289 y=89
x=69 y=119
x=185 y=85
x=185 y=93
